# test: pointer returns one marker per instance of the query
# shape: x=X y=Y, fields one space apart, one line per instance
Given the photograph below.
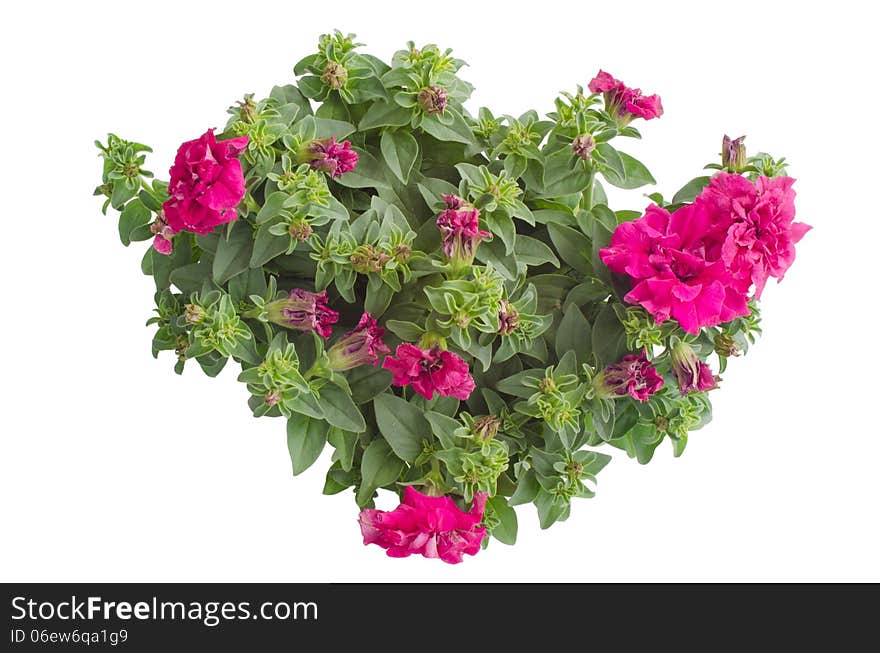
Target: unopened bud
x=433 y=99
x=508 y=318
x=335 y=75
x=193 y=313
x=733 y=153
x=485 y=428
x=583 y=145
x=300 y=229
x=726 y=346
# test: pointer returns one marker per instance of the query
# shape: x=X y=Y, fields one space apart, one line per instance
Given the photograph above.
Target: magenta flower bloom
x=206 y=184
x=691 y=373
x=430 y=526
x=164 y=234
x=754 y=224
x=361 y=346
x=624 y=103
x=674 y=265
x=326 y=155
x=634 y=375
x=459 y=227
x=429 y=371
x=303 y=311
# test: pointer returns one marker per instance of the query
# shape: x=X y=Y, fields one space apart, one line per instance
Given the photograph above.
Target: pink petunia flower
x=361 y=346
x=429 y=371
x=206 y=184
x=675 y=268
x=754 y=224
x=634 y=375
x=329 y=156
x=624 y=103
x=433 y=527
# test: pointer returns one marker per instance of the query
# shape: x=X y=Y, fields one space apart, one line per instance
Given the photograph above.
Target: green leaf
x=526 y=489
x=367 y=381
x=402 y=425
x=551 y=508
x=368 y=173
x=637 y=175
x=513 y=385
x=456 y=131
x=574 y=334
x=339 y=410
x=384 y=114
x=574 y=248
x=443 y=427
x=272 y=206
x=379 y=467
x=502 y=226
x=305 y=441
x=345 y=443
x=267 y=246
x=505 y=530
x=409 y=331
x=377 y=299
x=532 y=251
x=134 y=215
x=690 y=190
x=190 y=278
x=400 y=150
x=233 y=253
x=327 y=128
x=609 y=337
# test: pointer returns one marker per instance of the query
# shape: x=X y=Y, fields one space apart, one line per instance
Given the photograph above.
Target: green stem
x=588 y=192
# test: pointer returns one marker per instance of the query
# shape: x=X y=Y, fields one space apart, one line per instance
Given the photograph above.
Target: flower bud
x=634 y=375
x=733 y=153
x=303 y=311
x=459 y=227
x=508 y=318
x=361 y=346
x=247 y=109
x=691 y=373
x=726 y=346
x=485 y=428
x=272 y=397
x=329 y=156
x=402 y=253
x=300 y=229
x=193 y=313
x=583 y=145
x=335 y=75
x=366 y=259
x=182 y=345
x=433 y=99
x=164 y=234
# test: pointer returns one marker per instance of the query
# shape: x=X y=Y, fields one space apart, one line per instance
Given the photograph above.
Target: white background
x=113 y=468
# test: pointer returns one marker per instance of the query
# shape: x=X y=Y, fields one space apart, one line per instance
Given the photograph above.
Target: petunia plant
x=445 y=298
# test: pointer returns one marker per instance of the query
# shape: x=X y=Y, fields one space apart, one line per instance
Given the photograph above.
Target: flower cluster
x=445 y=298
x=699 y=263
